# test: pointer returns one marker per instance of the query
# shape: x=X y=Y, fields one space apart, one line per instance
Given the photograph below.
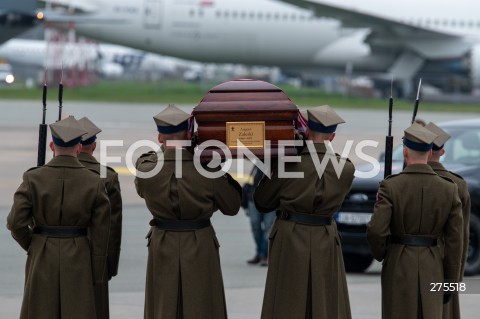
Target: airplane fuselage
x=234 y=32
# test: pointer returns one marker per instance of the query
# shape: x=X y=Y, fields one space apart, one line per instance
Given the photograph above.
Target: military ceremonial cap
x=418 y=138
x=323 y=119
x=67 y=132
x=171 y=120
x=92 y=130
x=442 y=136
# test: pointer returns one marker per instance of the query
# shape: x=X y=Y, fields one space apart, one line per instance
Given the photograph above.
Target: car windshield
x=462 y=148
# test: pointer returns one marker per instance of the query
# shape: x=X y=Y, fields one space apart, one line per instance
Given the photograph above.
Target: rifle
x=389 y=137
x=42 y=129
x=417 y=101
x=60 y=96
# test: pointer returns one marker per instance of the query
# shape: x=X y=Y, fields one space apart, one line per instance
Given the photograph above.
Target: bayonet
x=417 y=101
x=60 y=96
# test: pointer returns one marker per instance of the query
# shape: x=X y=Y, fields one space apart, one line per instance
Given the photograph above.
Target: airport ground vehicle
x=462 y=156
x=6 y=75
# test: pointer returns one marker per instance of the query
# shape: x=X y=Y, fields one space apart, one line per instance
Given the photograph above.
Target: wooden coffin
x=247 y=110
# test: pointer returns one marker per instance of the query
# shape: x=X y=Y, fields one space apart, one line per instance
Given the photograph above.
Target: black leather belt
x=308 y=219
x=180 y=225
x=420 y=241
x=59 y=232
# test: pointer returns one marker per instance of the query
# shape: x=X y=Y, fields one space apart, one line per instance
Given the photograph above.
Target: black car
x=462 y=156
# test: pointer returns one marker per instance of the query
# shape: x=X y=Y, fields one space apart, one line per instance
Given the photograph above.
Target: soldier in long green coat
x=451 y=310
x=306 y=274
x=414 y=211
x=114 y=195
x=184 y=278
x=54 y=209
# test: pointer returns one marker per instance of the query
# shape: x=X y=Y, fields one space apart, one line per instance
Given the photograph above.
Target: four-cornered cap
x=418 y=138
x=323 y=119
x=67 y=132
x=442 y=136
x=92 y=130
x=171 y=120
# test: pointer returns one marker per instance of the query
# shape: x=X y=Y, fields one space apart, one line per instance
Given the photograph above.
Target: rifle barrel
x=42 y=130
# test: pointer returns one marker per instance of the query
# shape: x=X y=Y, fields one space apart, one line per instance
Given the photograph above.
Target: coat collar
x=84 y=157
x=418 y=169
x=65 y=161
x=437 y=166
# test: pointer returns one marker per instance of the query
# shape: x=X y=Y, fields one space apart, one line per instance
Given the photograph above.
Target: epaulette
x=455 y=174
x=146 y=158
x=147 y=154
x=95 y=171
x=111 y=169
x=391 y=175
x=447 y=178
x=344 y=158
x=32 y=168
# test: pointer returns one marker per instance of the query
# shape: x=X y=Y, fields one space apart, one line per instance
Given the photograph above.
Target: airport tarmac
x=130 y=123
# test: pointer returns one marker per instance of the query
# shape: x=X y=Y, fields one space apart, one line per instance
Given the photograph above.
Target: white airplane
x=404 y=38
x=112 y=61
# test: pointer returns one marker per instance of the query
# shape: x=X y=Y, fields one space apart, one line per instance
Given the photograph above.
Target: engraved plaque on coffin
x=248 y=111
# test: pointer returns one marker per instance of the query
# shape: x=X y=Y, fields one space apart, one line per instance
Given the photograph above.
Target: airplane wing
x=390 y=34
x=84 y=12
x=356 y=19
x=83 y=6
x=59 y=17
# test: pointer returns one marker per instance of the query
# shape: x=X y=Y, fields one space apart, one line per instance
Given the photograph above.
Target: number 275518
x=448 y=286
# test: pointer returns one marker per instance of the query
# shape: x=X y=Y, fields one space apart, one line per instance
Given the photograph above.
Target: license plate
x=353 y=218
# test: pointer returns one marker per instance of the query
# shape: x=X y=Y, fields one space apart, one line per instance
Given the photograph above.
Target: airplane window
x=427 y=21
x=192 y=13
x=461 y=23
x=234 y=14
x=436 y=22
x=285 y=16
x=302 y=18
x=260 y=15
x=200 y=13
x=218 y=14
x=226 y=14
x=268 y=16
x=294 y=17
x=453 y=23
x=276 y=16
x=470 y=23
x=243 y=14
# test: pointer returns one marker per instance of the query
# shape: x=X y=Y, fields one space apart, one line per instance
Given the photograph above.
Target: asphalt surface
x=130 y=123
